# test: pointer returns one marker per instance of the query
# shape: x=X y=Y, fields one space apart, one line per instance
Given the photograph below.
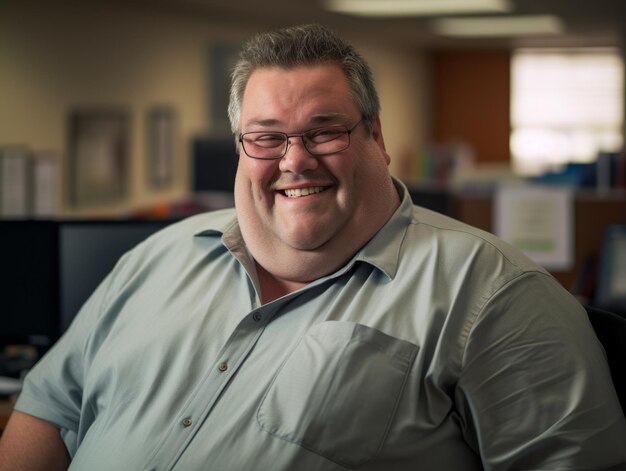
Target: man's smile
x=298 y=192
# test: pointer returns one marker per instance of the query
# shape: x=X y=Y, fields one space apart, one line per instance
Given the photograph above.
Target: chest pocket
x=337 y=393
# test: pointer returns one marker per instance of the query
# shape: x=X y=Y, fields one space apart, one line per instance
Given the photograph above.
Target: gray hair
x=305 y=45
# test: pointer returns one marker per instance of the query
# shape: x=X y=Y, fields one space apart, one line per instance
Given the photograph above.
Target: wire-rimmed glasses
x=271 y=145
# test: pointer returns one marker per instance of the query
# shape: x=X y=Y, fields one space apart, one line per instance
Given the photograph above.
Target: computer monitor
x=431 y=197
x=29 y=295
x=49 y=269
x=611 y=284
x=214 y=165
x=88 y=251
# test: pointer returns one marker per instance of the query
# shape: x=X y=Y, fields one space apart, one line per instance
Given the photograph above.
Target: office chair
x=610 y=329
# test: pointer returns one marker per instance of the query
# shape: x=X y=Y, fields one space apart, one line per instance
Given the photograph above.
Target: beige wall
x=81 y=54
x=402 y=77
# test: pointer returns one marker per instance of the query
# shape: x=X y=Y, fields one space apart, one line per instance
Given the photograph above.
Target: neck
x=273 y=288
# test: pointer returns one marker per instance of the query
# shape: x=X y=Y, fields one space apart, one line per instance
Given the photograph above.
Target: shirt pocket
x=337 y=393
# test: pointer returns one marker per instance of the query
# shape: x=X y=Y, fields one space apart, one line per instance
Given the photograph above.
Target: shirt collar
x=382 y=251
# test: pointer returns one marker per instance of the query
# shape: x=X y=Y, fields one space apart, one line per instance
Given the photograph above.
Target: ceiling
x=587 y=22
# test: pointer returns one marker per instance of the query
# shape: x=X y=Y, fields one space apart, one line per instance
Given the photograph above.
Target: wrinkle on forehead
x=318 y=119
x=295 y=100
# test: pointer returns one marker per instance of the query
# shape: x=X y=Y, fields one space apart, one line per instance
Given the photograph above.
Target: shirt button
x=222 y=367
x=187 y=421
x=256 y=316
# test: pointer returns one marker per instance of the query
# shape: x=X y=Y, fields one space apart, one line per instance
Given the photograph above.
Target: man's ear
x=377 y=134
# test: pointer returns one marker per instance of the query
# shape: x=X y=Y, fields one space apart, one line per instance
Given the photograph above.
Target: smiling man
x=326 y=323
x=307 y=202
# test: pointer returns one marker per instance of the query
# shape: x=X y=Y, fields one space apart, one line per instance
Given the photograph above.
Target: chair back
x=610 y=329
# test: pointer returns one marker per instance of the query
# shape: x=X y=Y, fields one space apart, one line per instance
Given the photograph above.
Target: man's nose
x=297 y=159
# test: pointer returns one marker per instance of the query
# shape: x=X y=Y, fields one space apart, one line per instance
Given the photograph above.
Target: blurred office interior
x=116 y=110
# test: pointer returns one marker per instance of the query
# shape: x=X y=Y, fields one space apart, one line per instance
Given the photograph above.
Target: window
x=566 y=106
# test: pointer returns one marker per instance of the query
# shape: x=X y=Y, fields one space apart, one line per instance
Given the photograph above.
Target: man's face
x=294 y=101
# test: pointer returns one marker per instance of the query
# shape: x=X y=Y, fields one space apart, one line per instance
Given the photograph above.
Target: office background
x=113 y=124
x=119 y=106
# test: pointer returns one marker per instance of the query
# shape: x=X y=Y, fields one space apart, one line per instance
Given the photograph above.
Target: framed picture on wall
x=98 y=163
x=161 y=142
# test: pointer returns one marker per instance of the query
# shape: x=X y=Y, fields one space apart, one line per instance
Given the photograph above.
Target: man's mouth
x=298 y=192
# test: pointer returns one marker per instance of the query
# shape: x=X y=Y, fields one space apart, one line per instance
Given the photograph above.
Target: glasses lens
x=327 y=140
x=264 y=145
x=273 y=145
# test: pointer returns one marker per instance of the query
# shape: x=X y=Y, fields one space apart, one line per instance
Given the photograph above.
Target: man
x=327 y=324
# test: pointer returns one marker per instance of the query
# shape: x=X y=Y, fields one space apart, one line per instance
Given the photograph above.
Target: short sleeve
x=535 y=390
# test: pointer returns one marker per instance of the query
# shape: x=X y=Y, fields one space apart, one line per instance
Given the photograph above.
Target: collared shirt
x=435 y=347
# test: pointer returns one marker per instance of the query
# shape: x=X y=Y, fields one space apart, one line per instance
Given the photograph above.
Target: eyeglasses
x=271 y=145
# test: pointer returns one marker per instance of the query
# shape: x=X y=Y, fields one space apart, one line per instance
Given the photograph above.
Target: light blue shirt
x=436 y=347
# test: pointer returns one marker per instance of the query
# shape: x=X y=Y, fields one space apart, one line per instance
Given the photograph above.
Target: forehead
x=275 y=95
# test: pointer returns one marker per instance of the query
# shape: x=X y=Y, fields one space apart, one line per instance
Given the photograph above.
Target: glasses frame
x=302 y=136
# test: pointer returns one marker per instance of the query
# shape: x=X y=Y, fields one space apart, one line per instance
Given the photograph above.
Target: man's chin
x=309 y=242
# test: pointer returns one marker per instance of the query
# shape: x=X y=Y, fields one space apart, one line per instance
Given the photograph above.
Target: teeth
x=297 y=192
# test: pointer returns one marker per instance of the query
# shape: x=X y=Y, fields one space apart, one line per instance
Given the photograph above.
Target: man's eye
x=324 y=135
x=269 y=140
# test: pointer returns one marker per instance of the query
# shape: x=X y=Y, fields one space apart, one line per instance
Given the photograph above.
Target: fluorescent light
x=416 y=7
x=499 y=26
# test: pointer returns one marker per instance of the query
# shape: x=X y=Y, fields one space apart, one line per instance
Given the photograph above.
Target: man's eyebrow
x=314 y=120
x=262 y=122
x=328 y=117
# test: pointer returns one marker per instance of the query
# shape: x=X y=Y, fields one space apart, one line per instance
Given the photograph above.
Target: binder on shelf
x=46 y=185
x=15 y=183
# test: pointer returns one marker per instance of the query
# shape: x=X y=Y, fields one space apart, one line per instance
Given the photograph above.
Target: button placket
x=199 y=402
